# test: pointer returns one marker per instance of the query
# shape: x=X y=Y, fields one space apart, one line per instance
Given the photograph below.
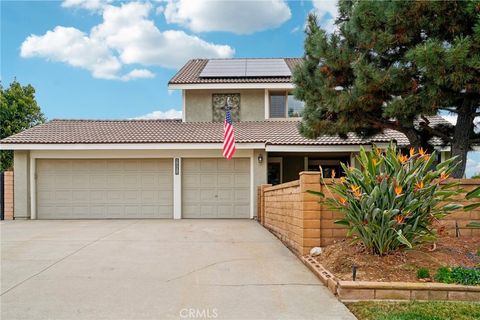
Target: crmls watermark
x=197 y=313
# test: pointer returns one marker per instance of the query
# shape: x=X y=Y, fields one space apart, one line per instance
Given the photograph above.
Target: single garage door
x=104 y=188
x=216 y=188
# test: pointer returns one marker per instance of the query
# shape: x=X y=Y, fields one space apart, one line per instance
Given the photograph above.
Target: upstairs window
x=284 y=105
x=294 y=106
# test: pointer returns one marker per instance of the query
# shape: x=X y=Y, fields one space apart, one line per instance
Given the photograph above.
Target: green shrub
x=467 y=276
x=394 y=199
x=460 y=275
x=423 y=273
x=444 y=275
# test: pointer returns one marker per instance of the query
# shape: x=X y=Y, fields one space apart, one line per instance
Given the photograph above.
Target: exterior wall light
x=260 y=158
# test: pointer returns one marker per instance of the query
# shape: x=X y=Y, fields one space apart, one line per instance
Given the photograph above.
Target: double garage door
x=141 y=188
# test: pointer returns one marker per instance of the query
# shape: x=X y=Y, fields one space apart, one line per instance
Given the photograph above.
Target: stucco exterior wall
x=259 y=174
x=198 y=104
x=21 y=165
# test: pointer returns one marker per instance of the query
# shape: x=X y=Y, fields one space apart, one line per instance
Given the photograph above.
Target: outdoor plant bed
x=393 y=277
x=403 y=265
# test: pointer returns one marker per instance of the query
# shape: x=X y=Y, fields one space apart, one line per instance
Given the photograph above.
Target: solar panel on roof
x=236 y=68
x=267 y=68
x=224 y=68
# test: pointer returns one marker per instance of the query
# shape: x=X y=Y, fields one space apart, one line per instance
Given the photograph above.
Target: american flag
x=228 y=138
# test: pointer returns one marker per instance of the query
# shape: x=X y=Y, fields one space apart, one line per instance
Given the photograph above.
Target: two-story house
x=73 y=169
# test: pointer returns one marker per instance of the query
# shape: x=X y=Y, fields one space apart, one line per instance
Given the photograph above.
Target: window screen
x=277 y=105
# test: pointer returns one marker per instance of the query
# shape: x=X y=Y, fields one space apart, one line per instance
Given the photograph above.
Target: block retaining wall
x=8 y=195
x=296 y=217
x=372 y=290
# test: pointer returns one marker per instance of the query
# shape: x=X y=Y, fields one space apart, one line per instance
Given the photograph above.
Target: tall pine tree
x=391 y=64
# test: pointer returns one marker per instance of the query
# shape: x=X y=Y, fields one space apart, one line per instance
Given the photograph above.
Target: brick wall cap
x=406 y=286
x=283 y=185
x=310 y=173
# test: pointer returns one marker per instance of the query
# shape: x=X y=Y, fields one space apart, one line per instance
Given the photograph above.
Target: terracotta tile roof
x=190 y=74
x=174 y=131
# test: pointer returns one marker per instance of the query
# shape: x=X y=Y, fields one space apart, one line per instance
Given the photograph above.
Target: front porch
x=284 y=167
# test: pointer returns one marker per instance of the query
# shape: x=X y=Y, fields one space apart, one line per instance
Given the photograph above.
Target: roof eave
x=225 y=85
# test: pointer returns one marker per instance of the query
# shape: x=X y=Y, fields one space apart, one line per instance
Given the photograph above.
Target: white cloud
x=169 y=114
x=138 y=74
x=296 y=29
x=327 y=12
x=126 y=36
x=72 y=46
x=240 y=17
x=92 y=5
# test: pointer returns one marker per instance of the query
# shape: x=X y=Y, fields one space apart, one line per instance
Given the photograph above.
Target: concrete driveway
x=155 y=269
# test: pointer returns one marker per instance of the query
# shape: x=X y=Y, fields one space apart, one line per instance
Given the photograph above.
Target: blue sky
x=67 y=88
x=104 y=59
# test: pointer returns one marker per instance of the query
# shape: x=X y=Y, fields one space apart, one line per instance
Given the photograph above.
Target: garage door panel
x=242 y=166
x=81 y=196
x=189 y=179
x=98 y=181
x=226 y=195
x=208 y=165
x=165 y=196
x=208 y=180
x=63 y=181
x=216 y=188
x=96 y=165
x=226 y=180
x=207 y=195
x=98 y=196
x=242 y=195
x=240 y=210
x=226 y=166
x=242 y=180
x=81 y=181
x=105 y=188
x=114 y=180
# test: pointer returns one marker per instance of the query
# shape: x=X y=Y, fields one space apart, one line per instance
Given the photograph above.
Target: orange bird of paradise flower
x=418 y=185
x=356 y=191
x=402 y=158
x=421 y=152
x=444 y=176
x=399 y=219
x=343 y=201
x=333 y=174
x=412 y=152
x=398 y=190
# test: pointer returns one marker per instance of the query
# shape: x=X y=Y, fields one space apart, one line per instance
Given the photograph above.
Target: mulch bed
x=339 y=258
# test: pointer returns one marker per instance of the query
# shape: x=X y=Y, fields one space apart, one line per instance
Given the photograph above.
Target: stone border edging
x=375 y=290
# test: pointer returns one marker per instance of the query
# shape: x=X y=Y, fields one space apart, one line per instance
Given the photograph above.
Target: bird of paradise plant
x=392 y=200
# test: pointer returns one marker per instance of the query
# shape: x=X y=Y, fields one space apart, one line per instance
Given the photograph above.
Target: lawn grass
x=414 y=310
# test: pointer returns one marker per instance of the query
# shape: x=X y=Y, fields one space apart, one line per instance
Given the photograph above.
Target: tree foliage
x=390 y=65
x=18 y=111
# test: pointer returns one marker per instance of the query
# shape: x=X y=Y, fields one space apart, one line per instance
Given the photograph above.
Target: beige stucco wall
x=259 y=174
x=198 y=104
x=21 y=169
